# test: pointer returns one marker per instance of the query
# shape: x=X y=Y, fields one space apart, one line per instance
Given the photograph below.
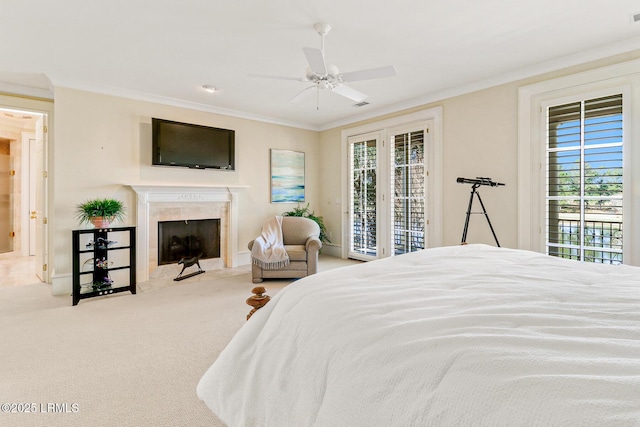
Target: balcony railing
x=599 y=242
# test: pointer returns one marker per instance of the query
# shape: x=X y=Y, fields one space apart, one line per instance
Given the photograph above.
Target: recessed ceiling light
x=209 y=88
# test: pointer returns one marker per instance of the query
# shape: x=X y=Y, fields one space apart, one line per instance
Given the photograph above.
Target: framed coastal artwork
x=287 y=176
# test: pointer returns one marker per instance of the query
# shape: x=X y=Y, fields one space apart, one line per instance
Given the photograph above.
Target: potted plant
x=100 y=212
x=306 y=213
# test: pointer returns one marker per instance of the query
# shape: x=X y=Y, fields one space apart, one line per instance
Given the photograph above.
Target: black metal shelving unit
x=91 y=262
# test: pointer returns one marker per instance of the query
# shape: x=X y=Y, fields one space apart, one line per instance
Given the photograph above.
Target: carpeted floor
x=121 y=360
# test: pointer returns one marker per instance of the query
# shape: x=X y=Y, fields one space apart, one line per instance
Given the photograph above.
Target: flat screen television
x=192 y=146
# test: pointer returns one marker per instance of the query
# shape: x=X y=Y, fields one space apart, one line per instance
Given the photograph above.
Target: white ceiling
x=165 y=50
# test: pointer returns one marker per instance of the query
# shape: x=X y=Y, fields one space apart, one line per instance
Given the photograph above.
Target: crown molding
x=556 y=64
x=598 y=53
x=165 y=100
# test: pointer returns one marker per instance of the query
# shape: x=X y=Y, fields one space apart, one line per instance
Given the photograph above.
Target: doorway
x=392 y=172
x=387 y=192
x=22 y=196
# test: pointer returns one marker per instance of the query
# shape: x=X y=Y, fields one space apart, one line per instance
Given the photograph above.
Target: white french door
x=364 y=197
x=387 y=192
x=408 y=190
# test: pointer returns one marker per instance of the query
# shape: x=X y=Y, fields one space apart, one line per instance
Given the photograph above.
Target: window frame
x=532 y=139
x=582 y=148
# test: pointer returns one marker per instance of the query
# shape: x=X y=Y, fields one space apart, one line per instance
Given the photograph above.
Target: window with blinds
x=408 y=185
x=584 y=191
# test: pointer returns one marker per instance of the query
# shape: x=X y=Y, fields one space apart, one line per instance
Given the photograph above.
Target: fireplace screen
x=188 y=238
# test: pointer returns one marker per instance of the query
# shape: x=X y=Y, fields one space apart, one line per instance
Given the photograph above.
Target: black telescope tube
x=478 y=181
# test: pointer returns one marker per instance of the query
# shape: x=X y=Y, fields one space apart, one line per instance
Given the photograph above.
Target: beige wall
x=103 y=144
x=480 y=138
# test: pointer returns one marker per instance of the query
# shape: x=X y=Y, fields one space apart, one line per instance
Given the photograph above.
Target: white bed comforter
x=454 y=336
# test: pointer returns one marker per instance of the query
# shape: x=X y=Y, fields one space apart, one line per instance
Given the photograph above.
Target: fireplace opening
x=188 y=238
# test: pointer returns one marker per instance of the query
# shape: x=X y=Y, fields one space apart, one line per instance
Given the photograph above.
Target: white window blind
x=584 y=192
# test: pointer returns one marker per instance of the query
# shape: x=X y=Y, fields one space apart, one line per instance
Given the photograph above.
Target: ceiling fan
x=326 y=76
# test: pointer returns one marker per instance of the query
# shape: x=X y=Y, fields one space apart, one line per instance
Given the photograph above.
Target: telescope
x=479 y=180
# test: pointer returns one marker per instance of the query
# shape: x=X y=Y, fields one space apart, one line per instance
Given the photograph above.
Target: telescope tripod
x=474 y=191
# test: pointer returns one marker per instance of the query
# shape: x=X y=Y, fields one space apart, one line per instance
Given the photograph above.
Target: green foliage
x=597 y=182
x=305 y=212
x=108 y=208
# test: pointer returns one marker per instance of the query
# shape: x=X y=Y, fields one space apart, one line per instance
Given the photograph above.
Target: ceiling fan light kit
x=327 y=76
x=322 y=28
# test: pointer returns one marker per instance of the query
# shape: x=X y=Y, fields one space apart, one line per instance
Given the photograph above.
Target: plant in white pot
x=100 y=212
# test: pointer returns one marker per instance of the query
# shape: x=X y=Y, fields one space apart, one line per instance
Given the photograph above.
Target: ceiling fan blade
x=371 y=73
x=302 y=94
x=350 y=93
x=315 y=58
x=262 y=76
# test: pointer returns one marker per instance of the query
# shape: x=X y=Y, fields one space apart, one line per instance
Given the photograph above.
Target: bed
x=451 y=336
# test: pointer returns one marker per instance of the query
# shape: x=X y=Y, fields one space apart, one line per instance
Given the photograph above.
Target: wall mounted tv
x=192 y=146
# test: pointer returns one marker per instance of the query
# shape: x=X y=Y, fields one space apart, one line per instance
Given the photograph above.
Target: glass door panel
x=408 y=186
x=363 y=218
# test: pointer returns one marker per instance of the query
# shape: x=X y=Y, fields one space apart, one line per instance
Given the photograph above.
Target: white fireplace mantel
x=148 y=194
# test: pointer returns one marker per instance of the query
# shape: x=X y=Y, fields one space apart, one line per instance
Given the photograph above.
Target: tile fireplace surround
x=169 y=203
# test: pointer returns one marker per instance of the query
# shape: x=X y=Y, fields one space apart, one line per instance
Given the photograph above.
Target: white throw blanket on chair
x=268 y=249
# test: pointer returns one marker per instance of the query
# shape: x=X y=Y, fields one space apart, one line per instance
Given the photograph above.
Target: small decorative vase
x=101 y=221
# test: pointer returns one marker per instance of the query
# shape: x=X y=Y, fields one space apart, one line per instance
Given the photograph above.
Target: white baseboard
x=61 y=285
x=332 y=250
x=243 y=258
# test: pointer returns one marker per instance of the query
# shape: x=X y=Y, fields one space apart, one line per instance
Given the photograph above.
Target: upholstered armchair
x=301 y=241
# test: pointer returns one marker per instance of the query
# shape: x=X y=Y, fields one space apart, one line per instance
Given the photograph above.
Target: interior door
x=40 y=178
x=364 y=196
